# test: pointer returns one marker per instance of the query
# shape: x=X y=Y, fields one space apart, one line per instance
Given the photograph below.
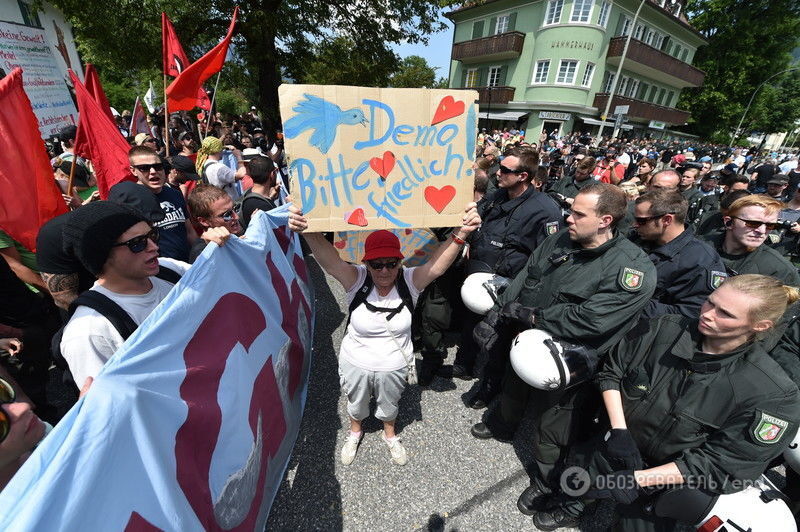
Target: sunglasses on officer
x=507 y=170
x=379 y=265
x=145 y=168
x=755 y=224
x=641 y=220
x=7 y=395
x=138 y=244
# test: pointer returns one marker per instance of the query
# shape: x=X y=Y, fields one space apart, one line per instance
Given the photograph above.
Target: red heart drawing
x=340 y=244
x=383 y=166
x=357 y=217
x=419 y=252
x=438 y=198
x=409 y=231
x=448 y=108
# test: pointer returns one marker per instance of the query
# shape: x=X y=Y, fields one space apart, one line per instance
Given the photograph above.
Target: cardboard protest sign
x=367 y=158
x=416 y=245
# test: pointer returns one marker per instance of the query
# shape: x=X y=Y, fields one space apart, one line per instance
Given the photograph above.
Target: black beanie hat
x=138 y=198
x=94 y=228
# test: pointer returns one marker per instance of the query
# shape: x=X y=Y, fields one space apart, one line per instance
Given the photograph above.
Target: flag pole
x=213 y=98
x=166 y=116
x=71 y=174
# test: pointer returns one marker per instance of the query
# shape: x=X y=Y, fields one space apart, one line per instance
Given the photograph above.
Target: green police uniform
x=583 y=296
x=763 y=260
x=568 y=187
x=720 y=418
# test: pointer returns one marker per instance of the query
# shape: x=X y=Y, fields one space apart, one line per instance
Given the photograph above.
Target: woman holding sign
x=376 y=356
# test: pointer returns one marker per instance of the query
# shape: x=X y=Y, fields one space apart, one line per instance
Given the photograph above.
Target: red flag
x=92 y=83
x=29 y=191
x=182 y=93
x=100 y=141
x=138 y=119
x=175 y=59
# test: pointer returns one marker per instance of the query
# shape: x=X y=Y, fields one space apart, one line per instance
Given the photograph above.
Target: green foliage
x=414 y=72
x=338 y=62
x=231 y=101
x=748 y=41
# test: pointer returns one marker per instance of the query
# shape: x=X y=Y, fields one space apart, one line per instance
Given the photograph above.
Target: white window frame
x=638 y=31
x=658 y=41
x=626 y=25
x=506 y=18
x=605 y=11
x=574 y=71
x=550 y=14
x=475 y=80
x=581 y=19
x=545 y=63
x=496 y=70
x=623 y=85
x=609 y=82
x=633 y=88
x=588 y=75
x=649 y=36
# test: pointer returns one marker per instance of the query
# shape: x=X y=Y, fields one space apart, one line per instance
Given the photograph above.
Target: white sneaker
x=399 y=455
x=350 y=448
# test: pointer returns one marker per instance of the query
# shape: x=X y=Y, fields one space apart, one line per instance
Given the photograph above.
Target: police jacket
x=688 y=270
x=701 y=209
x=568 y=187
x=718 y=417
x=512 y=228
x=585 y=296
x=763 y=260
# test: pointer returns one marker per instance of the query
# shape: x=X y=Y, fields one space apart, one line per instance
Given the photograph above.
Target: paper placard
x=368 y=158
x=416 y=245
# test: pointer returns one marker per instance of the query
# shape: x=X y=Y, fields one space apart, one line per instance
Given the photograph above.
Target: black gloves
x=486 y=332
x=518 y=313
x=620 y=450
x=619 y=485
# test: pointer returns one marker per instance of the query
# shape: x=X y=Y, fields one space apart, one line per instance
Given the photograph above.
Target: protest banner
x=416 y=245
x=190 y=425
x=369 y=158
x=28 y=48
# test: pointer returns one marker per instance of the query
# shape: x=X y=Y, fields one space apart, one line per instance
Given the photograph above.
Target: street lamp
x=736 y=131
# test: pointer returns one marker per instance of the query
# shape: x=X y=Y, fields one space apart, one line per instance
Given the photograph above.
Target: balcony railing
x=492 y=95
x=652 y=62
x=643 y=110
x=503 y=46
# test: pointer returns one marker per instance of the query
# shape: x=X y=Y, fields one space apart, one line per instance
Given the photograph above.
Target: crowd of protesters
x=669 y=270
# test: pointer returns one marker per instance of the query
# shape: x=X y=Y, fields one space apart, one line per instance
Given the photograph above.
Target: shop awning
x=594 y=122
x=507 y=115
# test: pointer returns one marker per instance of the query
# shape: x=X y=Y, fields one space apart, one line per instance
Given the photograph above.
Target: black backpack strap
x=402 y=290
x=167 y=274
x=120 y=319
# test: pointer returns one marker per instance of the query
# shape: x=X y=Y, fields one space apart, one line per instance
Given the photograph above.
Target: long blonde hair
x=771 y=296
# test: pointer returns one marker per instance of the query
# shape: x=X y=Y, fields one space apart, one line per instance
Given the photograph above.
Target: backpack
x=238 y=205
x=120 y=319
x=362 y=293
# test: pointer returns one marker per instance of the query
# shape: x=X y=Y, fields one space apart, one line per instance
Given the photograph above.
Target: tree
x=338 y=62
x=776 y=107
x=414 y=72
x=748 y=40
x=121 y=37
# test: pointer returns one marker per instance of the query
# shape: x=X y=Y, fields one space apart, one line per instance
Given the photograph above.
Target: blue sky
x=436 y=52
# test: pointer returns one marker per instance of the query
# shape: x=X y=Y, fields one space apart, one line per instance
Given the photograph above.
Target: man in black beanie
x=119 y=246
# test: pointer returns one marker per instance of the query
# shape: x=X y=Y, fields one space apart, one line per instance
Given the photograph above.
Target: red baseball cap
x=382 y=245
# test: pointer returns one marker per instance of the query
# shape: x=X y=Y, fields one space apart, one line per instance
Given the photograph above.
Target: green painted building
x=550 y=63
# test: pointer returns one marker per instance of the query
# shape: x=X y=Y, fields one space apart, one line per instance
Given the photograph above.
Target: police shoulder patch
x=768 y=429
x=716 y=279
x=551 y=228
x=630 y=279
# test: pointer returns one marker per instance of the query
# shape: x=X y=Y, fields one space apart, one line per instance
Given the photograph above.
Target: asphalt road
x=452 y=481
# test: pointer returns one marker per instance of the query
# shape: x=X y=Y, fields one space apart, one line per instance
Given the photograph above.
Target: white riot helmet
x=480 y=290
x=792 y=453
x=549 y=364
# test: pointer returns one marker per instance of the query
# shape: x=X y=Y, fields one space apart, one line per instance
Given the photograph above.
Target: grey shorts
x=361 y=384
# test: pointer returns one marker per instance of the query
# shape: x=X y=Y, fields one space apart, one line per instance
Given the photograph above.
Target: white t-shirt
x=223 y=177
x=624 y=159
x=90 y=339
x=367 y=344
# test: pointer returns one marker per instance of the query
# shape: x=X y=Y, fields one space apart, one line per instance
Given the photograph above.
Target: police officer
x=741 y=242
x=664 y=179
x=516 y=219
x=689 y=172
x=569 y=186
x=693 y=404
x=688 y=269
x=585 y=285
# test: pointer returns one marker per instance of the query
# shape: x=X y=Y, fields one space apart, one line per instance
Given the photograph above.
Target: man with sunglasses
x=176 y=232
x=212 y=209
x=120 y=248
x=688 y=269
x=740 y=243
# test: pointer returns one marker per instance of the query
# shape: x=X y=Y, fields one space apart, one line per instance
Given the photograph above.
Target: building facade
x=550 y=64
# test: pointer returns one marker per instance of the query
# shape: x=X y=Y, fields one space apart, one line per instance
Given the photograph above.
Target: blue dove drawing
x=323 y=117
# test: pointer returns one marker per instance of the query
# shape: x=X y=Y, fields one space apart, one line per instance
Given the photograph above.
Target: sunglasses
x=138 y=244
x=145 y=168
x=506 y=170
x=755 y=224
x=228 y=215
x=641 y=220
x=7 y=395
x=378 y=265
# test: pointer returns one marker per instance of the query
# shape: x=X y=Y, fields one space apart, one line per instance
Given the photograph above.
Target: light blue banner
x=190 y=425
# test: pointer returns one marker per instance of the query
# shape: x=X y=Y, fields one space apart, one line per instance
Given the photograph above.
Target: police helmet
x=480 y=290
x=549 y=364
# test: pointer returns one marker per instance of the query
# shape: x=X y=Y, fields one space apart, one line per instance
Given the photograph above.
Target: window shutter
x=492 y=25
x=512 y=22
x=483 y=76
x=501 y=78
x=477 y=30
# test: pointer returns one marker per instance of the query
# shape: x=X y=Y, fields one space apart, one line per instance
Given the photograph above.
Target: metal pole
x=166 y=116
x=738 y=127
x=616 y=76
x=213 y=98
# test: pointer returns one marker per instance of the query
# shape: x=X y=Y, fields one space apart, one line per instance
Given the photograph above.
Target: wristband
x=457 y=240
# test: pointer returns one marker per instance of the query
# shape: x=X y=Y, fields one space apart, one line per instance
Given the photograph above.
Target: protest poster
x=416 y=245
x=371 y=158
x=190 y=425
x=44 y=83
